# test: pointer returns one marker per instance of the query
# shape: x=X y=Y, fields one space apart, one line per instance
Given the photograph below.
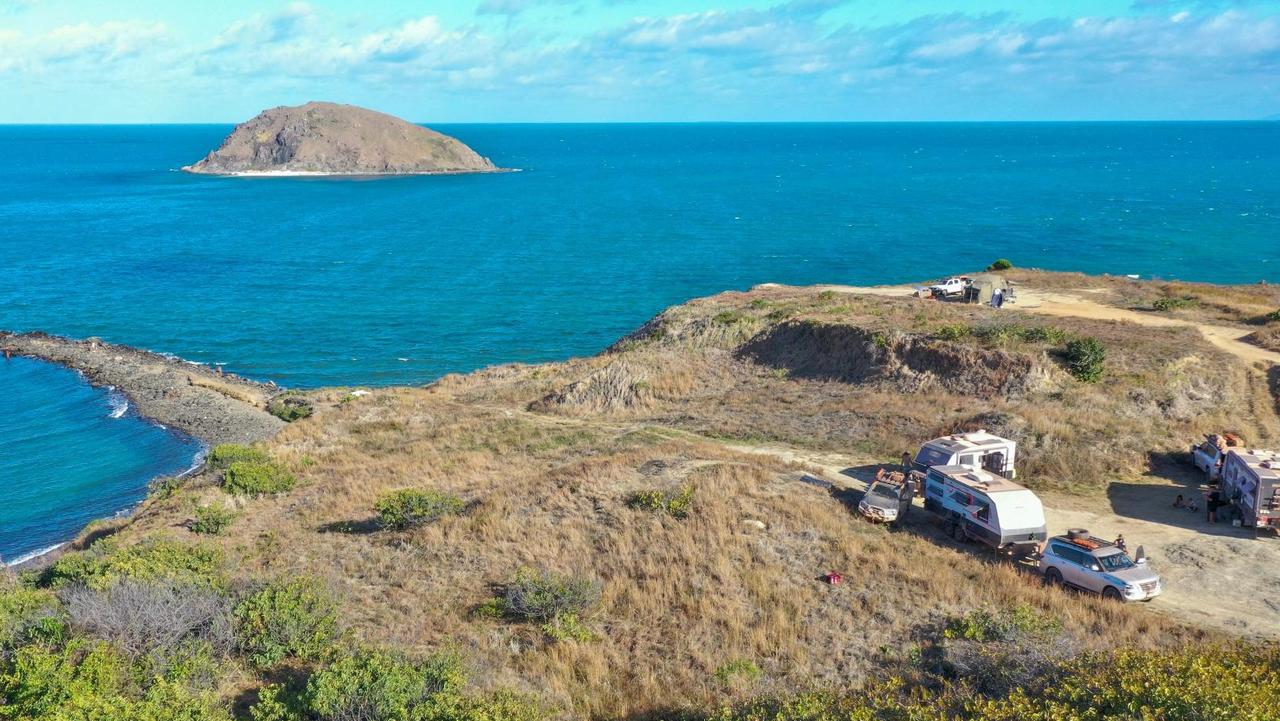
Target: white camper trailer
x=981 y=506
x=1251 y=484
x=977 y=451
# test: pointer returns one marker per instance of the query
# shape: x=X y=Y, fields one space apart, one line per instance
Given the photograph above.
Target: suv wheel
x=1052 y=576
x=1111 y=593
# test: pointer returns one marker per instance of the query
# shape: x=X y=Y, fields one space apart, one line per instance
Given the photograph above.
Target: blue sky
x=642 y=60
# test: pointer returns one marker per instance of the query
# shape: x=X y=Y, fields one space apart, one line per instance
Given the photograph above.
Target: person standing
x=906 y=462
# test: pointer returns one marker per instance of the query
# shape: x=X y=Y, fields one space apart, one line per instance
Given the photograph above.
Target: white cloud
x=294 y=20
x=107 y=41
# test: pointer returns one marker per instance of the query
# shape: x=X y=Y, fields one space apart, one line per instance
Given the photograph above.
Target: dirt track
x=1217 y=576
x=1082 y=305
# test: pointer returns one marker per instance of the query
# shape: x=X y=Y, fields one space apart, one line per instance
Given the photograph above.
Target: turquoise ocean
x=313 y=282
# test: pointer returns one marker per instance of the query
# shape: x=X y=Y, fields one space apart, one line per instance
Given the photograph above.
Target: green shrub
x=105 y=563
x=1022 y=620
x=276 y=704
x=1272 y=317
x=827 y=295
x=253 y=478
x=729 y=317
x=677 y=504
x=952 y=331
x=375 y=685
x=224 y=454
x=410 y=507
x=292 y=619
x=87 y=680
x=212 y=520
x=290 y=406
x=544 y=595
x=1175 y=303
x=26 y=613
x=742 y=668
x=164 y=487
x=568 y=627
x=1045 y=334
x=1000 y=264
x=1086 y=359
x=761 y=304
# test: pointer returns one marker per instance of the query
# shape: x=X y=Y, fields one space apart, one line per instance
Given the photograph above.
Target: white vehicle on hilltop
x=977 y=450
x=981 y=506
x=1092 y=564
x=949 y=288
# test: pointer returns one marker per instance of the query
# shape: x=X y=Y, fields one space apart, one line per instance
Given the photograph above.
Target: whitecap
x=34 y=554
x=118 y=402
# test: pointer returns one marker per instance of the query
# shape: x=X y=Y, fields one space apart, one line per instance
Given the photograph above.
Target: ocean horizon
x=338 y=281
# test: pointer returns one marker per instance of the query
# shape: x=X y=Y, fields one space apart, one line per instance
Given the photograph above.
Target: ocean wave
x=119 y=404
x=34 y=554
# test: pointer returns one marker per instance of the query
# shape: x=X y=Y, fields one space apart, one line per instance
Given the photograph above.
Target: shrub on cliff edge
x=250 y=478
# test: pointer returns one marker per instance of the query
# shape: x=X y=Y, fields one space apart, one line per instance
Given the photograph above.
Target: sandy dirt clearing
x=1216 y=576
x=1081 y=305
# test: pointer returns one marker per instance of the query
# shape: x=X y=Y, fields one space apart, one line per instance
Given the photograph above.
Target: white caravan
x=987 y=508
x=977 y=451
x=1251 y=484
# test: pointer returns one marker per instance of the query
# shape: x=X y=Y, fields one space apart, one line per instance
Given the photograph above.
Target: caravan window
x=962 y=498
x=984 y=512
x=970 y=460
x=930 y=457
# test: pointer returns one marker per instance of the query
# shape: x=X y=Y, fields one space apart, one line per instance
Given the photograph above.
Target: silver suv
x=1080 y=560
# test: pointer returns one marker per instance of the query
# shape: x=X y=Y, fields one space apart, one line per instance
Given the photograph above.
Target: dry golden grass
x=235 y=391
x=546 y=486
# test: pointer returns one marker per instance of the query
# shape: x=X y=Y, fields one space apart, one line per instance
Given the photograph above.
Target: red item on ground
x=833 y=578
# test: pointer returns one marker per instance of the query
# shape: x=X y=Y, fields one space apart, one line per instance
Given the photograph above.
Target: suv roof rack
x=1086 y=541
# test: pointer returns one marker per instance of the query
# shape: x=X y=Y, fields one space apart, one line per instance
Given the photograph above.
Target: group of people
x=1213 y=502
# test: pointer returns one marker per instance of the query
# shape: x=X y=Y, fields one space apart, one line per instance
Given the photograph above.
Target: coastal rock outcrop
x=331 y=139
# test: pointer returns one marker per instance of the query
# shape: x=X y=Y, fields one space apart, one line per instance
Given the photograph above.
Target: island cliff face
x=333 y=139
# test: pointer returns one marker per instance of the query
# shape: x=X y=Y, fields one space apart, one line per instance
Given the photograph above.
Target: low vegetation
x=677 y=503
x=212 y=519
x=257 y=478
x=1000 y=264
x=1086 y=359
x=301 y=610
x=1169 y=303
x=290 y=407
x=411 y=507
x=288 y=619
x=224 y=454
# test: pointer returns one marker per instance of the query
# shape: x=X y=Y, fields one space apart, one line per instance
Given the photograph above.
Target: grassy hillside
x=623 y=537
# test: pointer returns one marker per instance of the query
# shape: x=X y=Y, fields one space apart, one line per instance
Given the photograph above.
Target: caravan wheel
x=957 y=531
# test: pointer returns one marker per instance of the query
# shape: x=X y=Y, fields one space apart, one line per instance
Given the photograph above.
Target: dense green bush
x=410 y=507
x=952 y=331
x=212 y=519
x=1086 y=359
x=377 y=685
x=677 y=504
x=544 y=595
x=290 y=407
x=26 y=613
x=1000 y=264
x=1272 y=317
x=105 y=562
x=252 y=478
x=224 y=454
x=1174 y=303
x=90 y=680
x=982 y=625
x=293 y=619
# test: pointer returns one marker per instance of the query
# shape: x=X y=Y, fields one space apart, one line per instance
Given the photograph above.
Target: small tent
x=985 y=285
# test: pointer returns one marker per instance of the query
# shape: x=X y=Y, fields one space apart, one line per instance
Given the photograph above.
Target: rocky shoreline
x=210 y=406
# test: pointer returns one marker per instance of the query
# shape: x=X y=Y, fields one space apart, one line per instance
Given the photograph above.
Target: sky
x=160 y=61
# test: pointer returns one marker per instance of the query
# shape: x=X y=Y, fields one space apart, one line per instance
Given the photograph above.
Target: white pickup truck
x=1209 y=455
x=949 y=288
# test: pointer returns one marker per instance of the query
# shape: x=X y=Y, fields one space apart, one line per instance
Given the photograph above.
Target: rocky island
x=331 y=139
